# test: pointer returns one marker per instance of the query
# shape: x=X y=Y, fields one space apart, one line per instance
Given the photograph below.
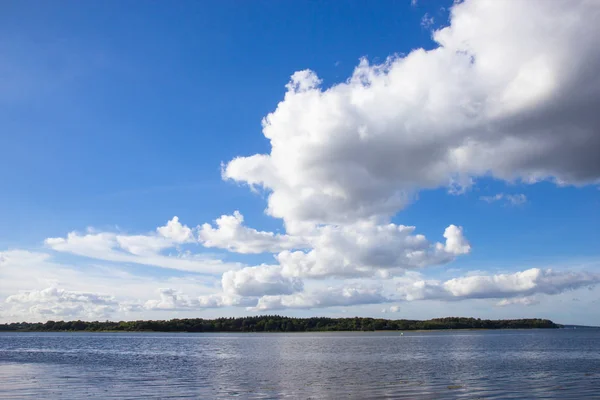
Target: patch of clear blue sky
x=120 y=113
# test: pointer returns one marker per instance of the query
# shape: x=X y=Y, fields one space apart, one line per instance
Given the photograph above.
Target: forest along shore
x=276 y=323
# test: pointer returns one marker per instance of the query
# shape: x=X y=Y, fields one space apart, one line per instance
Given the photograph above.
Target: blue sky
x=116 y=117
x=116 y=102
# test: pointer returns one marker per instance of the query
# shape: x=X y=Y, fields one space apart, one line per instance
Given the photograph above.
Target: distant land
x=276 y=323
x=579 y=327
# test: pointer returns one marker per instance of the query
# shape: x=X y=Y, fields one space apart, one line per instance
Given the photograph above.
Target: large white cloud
x=366 y=248
x=330 y=297
x=259 y=281
x=512 y=91
x=519 y=284
x=232 y=235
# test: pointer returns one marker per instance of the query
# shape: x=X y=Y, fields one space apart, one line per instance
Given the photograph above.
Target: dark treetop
x=276 y=323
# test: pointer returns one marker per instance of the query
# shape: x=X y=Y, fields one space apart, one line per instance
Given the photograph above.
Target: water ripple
x=557 y=364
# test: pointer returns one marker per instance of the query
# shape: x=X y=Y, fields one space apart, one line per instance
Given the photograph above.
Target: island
x=276 y=323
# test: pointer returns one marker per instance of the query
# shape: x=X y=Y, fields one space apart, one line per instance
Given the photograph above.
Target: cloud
x=171 y=299
x=60 y=303
x=510 y=92
x=232 y=235
x=22 y=258
x=366 y=248
x=49 y=289
x=512 y=199
x=26 y=270
x=391 y=309
x=140 y=249
x=54 y=302
x=174 y=300
x=259 y=281
x=427 y=21
x=330 y=297
x=175 y=231
x=456 y=243
x=521 y=301
x=517 y=285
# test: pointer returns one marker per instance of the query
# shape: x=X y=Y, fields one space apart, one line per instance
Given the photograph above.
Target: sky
x=404 y=159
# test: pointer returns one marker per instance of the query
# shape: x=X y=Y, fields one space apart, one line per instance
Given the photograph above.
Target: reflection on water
x=432 y=365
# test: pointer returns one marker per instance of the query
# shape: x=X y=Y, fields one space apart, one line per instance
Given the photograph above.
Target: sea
x=453 y=364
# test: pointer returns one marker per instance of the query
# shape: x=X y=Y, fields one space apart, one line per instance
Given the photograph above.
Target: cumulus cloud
x=510 y=92
x=173 y=300
x=330 y=297
x=511 y=199
x=232 y=235
x=54 y=302
x=520 y=284
x=259 y=281
x=366 y=248
x=140 y=249
x=456 y=243
x=175 y=231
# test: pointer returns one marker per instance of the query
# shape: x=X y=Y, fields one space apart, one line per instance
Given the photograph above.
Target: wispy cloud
x=520 y=285
x=519 y=301
x=510 y=199
x=427 y=21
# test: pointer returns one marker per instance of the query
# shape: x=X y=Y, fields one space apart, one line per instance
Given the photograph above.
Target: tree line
x=276 y=323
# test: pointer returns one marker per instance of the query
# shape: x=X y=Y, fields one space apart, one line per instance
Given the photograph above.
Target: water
x=557 y=364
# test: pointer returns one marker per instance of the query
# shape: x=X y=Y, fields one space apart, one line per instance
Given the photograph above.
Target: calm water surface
x=557 y=364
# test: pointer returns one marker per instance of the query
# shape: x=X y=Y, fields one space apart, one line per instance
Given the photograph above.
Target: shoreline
x=297 y=332
x=277 y=323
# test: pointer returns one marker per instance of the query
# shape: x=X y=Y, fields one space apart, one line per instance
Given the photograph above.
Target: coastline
x=294 y=332
x=275 y=323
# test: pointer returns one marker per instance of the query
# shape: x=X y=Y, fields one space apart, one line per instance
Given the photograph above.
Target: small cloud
x=427 y=21
x=459 y=185
x=523 y=301
x=391 y=309
x=516 y=199
x=413 y=3
x=491 y=199
x=509 y=199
